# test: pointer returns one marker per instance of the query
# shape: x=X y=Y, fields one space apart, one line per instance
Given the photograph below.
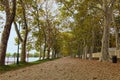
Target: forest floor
x=66 y=69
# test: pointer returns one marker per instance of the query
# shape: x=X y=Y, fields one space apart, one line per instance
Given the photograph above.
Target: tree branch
x=111 y=3
x=17 y=31
x=67 y=7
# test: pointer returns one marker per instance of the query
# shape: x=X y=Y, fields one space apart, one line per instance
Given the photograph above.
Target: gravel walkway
x=67 y=69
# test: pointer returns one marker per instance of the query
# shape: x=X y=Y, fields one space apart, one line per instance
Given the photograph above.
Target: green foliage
x=14 y=54
x=66 y=30
x=8 y=55
x=67 y=43
x=1 y=8
x=117 y=20
x=85 y=22
x=36 y=54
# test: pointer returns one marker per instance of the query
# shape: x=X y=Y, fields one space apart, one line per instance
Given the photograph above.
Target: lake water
x=12 y=60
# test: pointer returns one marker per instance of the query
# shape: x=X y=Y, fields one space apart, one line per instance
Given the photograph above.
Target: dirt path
x=67 y=69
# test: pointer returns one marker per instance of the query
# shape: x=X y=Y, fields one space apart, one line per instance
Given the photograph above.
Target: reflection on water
x=12 y=60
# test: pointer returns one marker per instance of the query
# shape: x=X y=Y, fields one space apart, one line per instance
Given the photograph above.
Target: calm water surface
x=12 y=60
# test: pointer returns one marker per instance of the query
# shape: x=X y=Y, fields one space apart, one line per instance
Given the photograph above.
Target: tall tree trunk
x=55 y=54
x=48 y=53
x=107 y=22
x=40 y=50
x=6 y=32
x=48 y=38
x=86 y=51
x=117 y=38
x=91 y=52
x=44 y=51
x=40 y=53
x=93 y=43
x=23 y=42
x=104 y=49
x=78 y=50
x=45 y=46
x=38 y=25
x=23 y=51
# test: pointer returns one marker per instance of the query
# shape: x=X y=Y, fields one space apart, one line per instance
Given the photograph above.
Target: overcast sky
x=11 y=43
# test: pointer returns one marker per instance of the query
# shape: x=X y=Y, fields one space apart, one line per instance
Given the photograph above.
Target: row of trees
x=39 y=26
x=94 y=25
x=62 y=27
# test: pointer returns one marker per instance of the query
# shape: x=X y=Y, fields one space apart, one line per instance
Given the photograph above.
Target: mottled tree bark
x=107 y=22
x=86 y=51
x=10 y=14
x=23 y=50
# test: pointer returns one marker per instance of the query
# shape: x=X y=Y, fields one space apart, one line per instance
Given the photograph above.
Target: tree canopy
x=55 y=28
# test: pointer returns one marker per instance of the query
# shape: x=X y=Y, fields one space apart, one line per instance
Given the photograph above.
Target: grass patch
x=11 y=67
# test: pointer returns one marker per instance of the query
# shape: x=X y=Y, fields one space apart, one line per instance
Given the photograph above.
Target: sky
x=11 y=48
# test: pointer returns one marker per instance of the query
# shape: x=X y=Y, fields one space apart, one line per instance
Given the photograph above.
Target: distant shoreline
x=12 y=60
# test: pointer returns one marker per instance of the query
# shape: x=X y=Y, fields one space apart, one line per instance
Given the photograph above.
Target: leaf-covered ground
x=66 y=69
